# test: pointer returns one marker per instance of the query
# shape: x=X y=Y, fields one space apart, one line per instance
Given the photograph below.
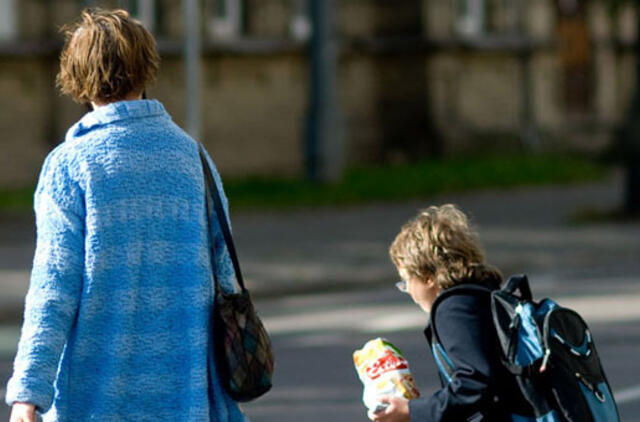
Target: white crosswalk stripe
x=627 y=395
x=381 y=318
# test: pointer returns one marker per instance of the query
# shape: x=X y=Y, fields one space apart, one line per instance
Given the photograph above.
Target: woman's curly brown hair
x=439 y=243
x=107 y=56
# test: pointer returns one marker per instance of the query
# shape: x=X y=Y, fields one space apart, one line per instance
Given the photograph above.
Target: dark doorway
x=574 y=49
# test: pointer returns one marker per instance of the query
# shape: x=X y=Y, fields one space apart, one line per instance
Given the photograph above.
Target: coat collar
x=121 y=110
x=464 y=286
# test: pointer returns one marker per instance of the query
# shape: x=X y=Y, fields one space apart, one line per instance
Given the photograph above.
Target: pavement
x=527 y=229
x=318 y=277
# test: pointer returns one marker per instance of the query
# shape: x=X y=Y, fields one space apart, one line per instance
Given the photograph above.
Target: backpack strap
x=445 y=365
x=516 y=289
x=460 y=289
x=212 y=193
x=524 y=371
x=518 y=283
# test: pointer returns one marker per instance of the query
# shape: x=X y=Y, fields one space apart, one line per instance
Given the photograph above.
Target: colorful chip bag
x=383 y=371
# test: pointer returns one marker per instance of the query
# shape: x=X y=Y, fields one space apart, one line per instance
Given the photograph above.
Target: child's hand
x=396 y=411
x=23 y=412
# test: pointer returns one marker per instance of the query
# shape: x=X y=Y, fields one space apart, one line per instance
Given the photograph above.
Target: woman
x=438 y=256
x=116 y=318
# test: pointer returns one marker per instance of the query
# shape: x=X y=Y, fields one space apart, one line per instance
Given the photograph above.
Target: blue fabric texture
x=549 y=417
x=602 y=411
x=529 y=346
x=117 y=316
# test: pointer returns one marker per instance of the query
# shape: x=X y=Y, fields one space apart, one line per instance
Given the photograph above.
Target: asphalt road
x=315 y=335
x=593 y=267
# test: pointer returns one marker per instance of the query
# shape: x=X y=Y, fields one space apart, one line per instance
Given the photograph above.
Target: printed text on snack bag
x=387 y=362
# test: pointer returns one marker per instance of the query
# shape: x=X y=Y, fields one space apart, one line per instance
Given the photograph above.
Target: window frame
x=226 y=26
x=300 y=26
x=9 y=20
x=471 y=18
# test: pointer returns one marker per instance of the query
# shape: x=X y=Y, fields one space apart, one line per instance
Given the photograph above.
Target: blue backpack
x=550 y=351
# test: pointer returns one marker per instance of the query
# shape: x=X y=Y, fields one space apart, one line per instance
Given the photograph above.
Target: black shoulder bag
x=242 y=347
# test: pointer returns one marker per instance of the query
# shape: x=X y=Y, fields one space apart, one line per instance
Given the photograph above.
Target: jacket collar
x=121 y=110
x=464 y=286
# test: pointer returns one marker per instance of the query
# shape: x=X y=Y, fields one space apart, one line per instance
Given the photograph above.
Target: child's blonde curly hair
x=439 y=243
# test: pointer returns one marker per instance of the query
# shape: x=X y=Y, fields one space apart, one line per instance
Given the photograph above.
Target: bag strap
x=521 y=284
x=211 y=190
x=527 y=371
x=439 y=353
x=518 y=283
x=460 y=289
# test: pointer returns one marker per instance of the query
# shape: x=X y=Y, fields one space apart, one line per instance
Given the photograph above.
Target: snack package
x=383 y=371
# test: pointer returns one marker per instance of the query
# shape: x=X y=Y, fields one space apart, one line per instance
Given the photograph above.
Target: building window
x=225 y=19
x=300 y=25
x=504 y=16
x=145 y=11
x=576 y=56
x=8 y=19
x=470 y=17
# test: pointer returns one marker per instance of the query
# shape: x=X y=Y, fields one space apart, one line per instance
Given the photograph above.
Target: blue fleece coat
x=117 y=316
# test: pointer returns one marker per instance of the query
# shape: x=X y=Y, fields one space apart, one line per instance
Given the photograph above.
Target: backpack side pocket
x=574 y=371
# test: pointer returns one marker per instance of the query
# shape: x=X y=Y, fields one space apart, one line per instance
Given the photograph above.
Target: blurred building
x=416 y=77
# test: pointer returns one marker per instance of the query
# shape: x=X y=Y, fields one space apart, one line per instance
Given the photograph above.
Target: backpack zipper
x=514 y=327
x=545 y=360
x=596 y=392
x=545 y=340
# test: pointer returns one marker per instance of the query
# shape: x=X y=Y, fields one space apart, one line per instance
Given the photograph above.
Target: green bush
x=418 y=180
x=398 y=182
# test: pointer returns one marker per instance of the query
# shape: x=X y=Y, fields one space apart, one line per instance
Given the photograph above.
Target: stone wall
x=25 y=121
x=391 y=96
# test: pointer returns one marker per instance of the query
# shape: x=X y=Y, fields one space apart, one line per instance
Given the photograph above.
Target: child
x=437 y=253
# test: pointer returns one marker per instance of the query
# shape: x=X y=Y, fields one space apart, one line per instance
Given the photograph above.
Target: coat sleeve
x=55 y=286
x=464 y=328
x=224 y=267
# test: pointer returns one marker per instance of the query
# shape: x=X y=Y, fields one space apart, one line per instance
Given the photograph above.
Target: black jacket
x=479 y=388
